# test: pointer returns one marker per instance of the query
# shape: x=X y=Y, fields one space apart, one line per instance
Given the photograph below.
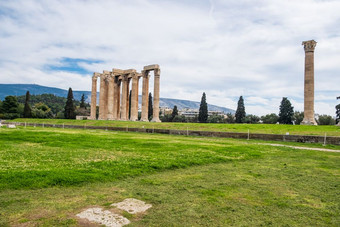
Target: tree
x=251 y=119
x=27 y=108
x=286 y=112
x=203 y=111
x=150 y=110
x=240 y=111
x=174 y=112
x=298 y=117
x=10 y=104
x=270 y=118
x=337 y=113
x=325 y=120
x=10 y=107
x=82 y=102
x=230 y=118
x=69 y=107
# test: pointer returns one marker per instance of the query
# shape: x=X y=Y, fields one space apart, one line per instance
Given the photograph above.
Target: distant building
x=190 y=113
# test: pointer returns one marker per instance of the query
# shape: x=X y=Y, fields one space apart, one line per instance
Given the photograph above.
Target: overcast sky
x=225 y=48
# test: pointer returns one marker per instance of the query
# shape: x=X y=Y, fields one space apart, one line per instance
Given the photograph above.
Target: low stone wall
x=335 y=140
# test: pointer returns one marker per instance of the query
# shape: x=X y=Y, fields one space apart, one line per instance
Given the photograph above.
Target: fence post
x=187 y=131
x=248 y=135
x=25 y=124
x=324 y=141
x=63 y=125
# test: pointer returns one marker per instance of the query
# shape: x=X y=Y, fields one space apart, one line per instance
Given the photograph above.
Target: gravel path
x=301 y=148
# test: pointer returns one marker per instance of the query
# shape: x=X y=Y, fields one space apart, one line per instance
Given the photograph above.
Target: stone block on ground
x=132 y=206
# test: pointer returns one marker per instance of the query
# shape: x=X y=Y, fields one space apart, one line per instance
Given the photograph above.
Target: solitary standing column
x=145 y=96
x=309 y=118
x=110 y=98
x=155 y=117
x=134 y=98
x=124 y=98
x=94 y=97
x=101 y=98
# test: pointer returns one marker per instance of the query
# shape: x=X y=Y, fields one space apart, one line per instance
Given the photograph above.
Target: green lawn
x=331 y=130
x=49 y=175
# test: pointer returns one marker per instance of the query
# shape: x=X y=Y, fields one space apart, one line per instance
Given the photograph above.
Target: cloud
x=224 y=48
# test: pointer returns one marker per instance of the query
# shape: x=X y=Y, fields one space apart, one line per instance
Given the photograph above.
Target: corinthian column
x=134 y=98
x=115 y=98
x=101 y=98
x=94 y=97
x=124 y=98
x=145 y=96
x=155 y=117
x=309 y=118
x=110 y=98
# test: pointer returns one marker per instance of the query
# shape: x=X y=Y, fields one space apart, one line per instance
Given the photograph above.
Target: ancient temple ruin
x=114 y=94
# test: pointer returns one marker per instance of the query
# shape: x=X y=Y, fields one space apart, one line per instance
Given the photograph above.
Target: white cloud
x=224 y=48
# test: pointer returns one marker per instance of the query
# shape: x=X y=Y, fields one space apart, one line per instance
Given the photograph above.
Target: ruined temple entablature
x=114 y=94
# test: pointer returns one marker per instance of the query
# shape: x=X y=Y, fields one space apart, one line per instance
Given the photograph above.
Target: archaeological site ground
x=48 y=176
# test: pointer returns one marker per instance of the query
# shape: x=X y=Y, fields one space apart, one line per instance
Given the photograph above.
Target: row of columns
x=114 y=94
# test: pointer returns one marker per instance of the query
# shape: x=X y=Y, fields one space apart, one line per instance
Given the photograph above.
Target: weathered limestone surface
x=114 y=94
x=309 y=118
x=145 y=96
x=101 y=98
x=94 y=96
x=155 y=117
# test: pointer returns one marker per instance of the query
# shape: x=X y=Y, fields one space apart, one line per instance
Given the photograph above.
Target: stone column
x=155 y=117
x=134 y=98
x=101 y=98
x=145 y=96
x=309 y=118
x=127 y=98
x=106 y=88
x=115 y=98
x=124 y=98
x=94 y=97
x=118 y=98
x=110 y=98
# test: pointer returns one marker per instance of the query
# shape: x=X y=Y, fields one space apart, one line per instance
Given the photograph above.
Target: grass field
x=331 y=130
x=49 y=175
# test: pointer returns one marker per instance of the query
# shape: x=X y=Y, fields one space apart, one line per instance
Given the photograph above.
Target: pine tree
x=203 y=111
x=82 y=102
x=69 y=107
x=240 y=111
x=174 y=112
x=286 y=112
x=150 y=110
x=27 y=108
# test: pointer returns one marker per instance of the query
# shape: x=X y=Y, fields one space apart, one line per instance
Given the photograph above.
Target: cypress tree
x=337 y=108
x=150 y=110
x=174 y=112
x=286 y=112
x=203 y=111
x=240 y=111
x=69 y=107
x=82 y=102
x=27 y=108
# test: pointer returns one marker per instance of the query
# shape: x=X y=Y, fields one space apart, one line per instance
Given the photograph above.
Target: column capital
x=309 y=45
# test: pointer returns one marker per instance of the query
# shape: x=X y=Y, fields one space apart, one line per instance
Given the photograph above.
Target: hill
x=35 y=89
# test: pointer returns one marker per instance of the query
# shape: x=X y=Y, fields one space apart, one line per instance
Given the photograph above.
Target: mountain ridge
x=35 y=89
